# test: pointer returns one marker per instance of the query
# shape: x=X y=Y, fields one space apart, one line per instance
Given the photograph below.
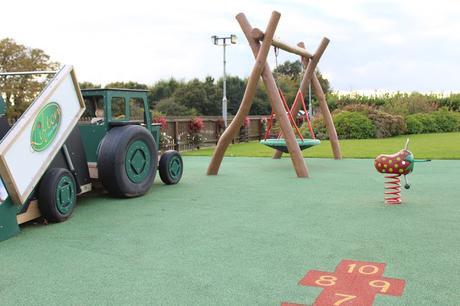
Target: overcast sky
x=387 y=45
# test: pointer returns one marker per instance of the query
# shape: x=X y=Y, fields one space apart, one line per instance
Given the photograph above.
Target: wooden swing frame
x=260 y=44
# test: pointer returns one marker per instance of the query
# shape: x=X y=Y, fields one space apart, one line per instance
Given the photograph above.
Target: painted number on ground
x=352 y=283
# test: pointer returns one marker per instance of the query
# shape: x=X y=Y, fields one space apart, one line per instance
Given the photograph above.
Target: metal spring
x=392 y=189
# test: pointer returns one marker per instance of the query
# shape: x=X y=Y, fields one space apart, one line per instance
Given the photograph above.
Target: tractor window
x=136 y=109
x=94 y=109
x=118 y=108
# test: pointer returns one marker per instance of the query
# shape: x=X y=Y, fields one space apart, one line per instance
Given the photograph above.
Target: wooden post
x=217 y=130
x=260 y=129
x=259 y=35
x=276 y=103
x=176 y=135
x=332 y=133
x=335 y=144
x=246 y=103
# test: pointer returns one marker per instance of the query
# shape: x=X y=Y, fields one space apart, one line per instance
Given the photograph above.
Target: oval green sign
x=46 y=126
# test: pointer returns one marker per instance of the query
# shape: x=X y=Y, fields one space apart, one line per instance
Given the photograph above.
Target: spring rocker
x=260 y=43
x=393 y=166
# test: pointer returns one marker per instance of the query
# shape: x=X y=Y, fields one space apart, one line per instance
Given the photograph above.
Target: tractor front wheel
x=171 y=167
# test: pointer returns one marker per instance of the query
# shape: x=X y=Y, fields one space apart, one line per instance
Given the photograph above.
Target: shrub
x=386 y=125
x=414 y=125
x=159 y=117
x=194 y=136
x=426 y=121
x=165 y=141
x=196 y=125
x=457 y=117
x=319 y=128
x=452 y=102
x=405 y=104
x=435 y=122
x=353 y=125
x=444 y=120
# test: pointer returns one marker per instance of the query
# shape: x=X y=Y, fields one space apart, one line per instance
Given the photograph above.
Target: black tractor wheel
x=57 y=195
x=171 y=167
x=127 y=161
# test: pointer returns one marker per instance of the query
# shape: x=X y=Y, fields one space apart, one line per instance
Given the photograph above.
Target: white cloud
x=393 y=39
x=145 y=41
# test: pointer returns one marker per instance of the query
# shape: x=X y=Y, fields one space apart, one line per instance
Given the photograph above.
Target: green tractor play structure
x=66 y=139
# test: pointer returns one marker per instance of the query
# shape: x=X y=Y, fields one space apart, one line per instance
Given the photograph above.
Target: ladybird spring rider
x=393 y=166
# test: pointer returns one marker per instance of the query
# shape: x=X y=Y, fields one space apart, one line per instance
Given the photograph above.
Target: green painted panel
x=91 y=135
x=155 y=130
x=8 y=223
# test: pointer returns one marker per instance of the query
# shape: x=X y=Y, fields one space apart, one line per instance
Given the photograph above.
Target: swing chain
x=277 y=52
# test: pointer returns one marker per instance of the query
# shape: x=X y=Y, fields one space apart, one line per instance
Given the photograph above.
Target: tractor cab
x=108 y=108
x=115 y=107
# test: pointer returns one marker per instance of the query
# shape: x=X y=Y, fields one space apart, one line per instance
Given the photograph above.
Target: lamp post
x=232 y=39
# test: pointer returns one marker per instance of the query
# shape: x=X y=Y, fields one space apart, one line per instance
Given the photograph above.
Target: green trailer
x=68 y=138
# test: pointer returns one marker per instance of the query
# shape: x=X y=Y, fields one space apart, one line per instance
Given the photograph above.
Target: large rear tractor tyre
x=171 y=167
x=127 y=161
x=57 y=195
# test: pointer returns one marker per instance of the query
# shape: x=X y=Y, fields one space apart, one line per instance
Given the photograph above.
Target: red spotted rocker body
x=401 y=163
x=393 y=166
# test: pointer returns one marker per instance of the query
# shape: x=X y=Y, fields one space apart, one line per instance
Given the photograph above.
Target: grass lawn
x=433 y=146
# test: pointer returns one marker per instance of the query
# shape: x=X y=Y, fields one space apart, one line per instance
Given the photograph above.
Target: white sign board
x=35 y=139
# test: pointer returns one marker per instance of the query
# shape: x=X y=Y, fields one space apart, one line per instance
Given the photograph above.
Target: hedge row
x=435 y=122
x=362 y=121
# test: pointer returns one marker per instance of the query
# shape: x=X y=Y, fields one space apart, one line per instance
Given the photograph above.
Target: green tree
x=127 y=85
x=198 y=95
x=261 y=104
x=162 y=89
x=290 y=69
x=235 y=92
x=191 y=95
x=294 y=71
x=325 y=85
x=169 y=107
x=19 y=91
x=89 y=85
x=212 y=105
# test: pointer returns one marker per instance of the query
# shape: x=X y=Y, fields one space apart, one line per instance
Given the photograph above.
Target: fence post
x=216 y=132
x=260 y=129
x=176 y=135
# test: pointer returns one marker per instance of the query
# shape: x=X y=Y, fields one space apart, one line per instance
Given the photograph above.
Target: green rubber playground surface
x=245 y=237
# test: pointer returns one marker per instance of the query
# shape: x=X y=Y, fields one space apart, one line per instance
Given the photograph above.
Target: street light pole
x=224 y=91
x=232 y=39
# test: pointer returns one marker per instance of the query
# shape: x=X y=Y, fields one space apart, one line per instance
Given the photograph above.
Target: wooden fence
x=178 y=130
